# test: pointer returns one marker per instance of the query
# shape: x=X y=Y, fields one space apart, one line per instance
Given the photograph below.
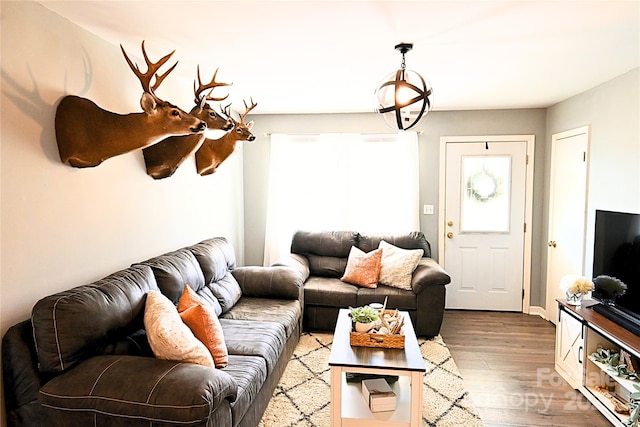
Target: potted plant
x=364 y=318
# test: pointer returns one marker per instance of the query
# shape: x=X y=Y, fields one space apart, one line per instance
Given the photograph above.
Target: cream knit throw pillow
x=398 y=265
x=168 y=336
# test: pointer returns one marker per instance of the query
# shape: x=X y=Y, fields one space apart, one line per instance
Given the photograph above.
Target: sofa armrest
x=428 y=273
x=269 y=282
x=300 y=263
x=167 y=392
x=21 y=379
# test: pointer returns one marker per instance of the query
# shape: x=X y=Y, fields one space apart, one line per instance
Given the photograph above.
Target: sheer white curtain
x=360 y=182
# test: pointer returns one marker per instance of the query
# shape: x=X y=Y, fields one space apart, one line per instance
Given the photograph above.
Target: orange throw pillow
x=201 y=318
x=363 y=269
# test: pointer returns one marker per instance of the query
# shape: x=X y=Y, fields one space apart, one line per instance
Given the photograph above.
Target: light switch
x=427 y=209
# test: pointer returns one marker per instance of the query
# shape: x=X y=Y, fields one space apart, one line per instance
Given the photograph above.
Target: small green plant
x=634 y=418
x=609 y=357
x=364 y=314
x=612 y=359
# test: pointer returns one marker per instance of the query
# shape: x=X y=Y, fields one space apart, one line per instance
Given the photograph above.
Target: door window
x=485 y=201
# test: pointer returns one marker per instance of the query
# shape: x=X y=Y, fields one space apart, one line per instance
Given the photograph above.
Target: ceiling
x=328 y=56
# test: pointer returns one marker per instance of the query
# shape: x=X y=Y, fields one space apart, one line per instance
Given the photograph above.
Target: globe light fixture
x=402 y=98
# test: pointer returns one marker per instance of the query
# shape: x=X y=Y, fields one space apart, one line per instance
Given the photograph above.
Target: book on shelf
x=378 y=395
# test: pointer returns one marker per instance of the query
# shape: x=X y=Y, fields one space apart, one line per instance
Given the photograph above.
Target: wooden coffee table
x=348 y=406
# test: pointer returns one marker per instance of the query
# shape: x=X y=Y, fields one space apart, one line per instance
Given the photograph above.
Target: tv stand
x=580 y=331
x=619 y=316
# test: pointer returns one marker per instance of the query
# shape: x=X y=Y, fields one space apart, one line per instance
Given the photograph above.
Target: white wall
x=612 y=109
x=61 y=226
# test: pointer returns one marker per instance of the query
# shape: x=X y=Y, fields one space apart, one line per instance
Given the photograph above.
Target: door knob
x=450 y=223
x=450 y=235
x=552 y=244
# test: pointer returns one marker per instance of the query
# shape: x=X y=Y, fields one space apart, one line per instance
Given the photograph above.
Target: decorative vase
x=574 y=299
x=364 y=327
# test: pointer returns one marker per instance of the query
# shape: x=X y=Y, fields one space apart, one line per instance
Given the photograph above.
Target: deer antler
x=247 y=109
x=211 y=85
x=226 y=111
x=152 y=70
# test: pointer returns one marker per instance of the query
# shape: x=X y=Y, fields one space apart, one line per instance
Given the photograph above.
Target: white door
x=567 y=211
x=485 y=188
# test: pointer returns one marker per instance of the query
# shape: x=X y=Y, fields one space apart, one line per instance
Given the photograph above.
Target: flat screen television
x=616 y=253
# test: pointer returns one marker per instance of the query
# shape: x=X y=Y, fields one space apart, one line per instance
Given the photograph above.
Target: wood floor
x=507 y=362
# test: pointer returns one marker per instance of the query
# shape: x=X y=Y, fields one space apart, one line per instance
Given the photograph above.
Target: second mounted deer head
x=87 y=134
x=215 y=151
x=164 y=158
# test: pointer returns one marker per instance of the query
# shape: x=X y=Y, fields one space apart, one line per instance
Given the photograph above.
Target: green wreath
x=483 y=186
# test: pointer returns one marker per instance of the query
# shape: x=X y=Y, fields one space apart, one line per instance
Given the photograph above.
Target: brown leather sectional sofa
x=321 y=257
x=83 y=358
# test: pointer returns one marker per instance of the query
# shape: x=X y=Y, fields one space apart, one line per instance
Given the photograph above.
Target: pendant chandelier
x=402 y=98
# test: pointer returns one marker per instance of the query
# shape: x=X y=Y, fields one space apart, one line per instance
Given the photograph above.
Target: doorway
x=567 y=211
x=485 y=206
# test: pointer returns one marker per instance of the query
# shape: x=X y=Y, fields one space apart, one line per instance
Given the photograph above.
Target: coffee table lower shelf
x=354 y=410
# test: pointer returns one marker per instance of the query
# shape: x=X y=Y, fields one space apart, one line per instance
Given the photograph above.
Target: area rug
x=301 y=399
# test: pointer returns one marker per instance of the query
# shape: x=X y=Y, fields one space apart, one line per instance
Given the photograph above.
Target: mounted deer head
x=215 y=151
x=164 y=158
x=87 y=135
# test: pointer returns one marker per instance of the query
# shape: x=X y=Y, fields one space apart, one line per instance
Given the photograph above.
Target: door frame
x=530 y=141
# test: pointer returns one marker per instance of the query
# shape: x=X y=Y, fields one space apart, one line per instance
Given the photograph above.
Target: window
x=361 y=182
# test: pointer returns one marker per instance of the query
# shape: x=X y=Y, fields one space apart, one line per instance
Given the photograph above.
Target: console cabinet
x=580 y=332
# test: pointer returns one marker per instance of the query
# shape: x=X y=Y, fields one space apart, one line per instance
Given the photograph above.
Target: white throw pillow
x=168 y=336
x=398 y=265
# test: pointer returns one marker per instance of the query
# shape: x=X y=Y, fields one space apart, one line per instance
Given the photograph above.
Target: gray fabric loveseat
x=83 y=359
x=322 y=256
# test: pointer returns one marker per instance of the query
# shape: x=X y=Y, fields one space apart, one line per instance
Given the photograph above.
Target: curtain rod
x=419 y=132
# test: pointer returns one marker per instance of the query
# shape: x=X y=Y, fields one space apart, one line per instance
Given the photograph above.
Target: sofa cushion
x=169 y=337
x=411 y=240
x=363 y=269
x=323 y=243
x=269 y=282
x=135 y=344
x=201 y=318
x=286 y=312
x=206 y=294
x=79 y=323
x=327 y=251
x=396 y=298
x=215 y=259
x=226 y=290
x=326 y=266
x=253 y=338
x=175 y=269
x=330 y=292
x=249 y=373
x=398 y=265
x=169 y=393
x=215 y=256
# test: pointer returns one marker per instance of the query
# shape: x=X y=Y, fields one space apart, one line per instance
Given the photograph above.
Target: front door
x=485 y=200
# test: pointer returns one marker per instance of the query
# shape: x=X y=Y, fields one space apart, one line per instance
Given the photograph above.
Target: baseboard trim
x=535 y=310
